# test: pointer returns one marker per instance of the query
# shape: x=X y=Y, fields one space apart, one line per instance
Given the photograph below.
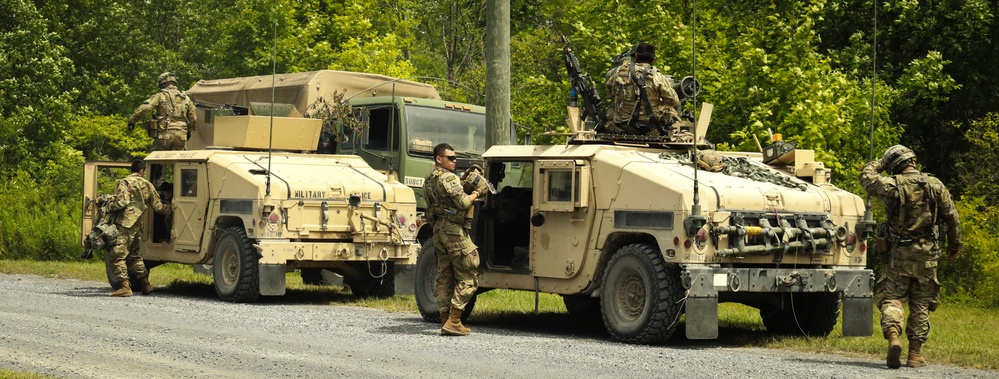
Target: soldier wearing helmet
x=921 y=215
x=642 y=98
x=174 y=120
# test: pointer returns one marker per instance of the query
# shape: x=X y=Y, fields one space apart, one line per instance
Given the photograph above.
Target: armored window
x=560 y=186
x=564 y=184
x=189 y=182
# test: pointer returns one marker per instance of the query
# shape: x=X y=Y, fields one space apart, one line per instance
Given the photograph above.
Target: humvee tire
x=426 y=285
x=235 y=267
x=312 y=276
x=365 y=285
x=640 y=299
x=809 y=314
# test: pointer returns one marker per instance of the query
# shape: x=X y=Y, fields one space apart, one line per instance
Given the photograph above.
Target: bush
x=970 y=277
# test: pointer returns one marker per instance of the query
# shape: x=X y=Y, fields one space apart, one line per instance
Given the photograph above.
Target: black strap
x=639 y=81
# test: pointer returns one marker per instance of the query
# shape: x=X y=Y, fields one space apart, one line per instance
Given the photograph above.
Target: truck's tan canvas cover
x=304 y=88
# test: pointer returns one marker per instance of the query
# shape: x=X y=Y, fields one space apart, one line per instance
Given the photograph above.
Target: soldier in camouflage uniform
x=628 y=112
x=133 y=196
x=457 y=255
x=920 y=213
x=175 y=117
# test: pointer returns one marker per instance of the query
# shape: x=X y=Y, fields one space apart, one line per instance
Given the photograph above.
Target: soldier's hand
x=188 y=134
x=131 y=125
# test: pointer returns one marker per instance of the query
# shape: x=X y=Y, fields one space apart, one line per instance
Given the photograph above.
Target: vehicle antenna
x=868 y=216
x=270 y=142
x=694 y=223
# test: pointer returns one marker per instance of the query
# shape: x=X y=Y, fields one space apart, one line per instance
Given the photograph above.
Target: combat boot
x=445 y=313
x=124 y=290
x=894 y=350
x=146 y=287
x=453 y=326
x=915 y=358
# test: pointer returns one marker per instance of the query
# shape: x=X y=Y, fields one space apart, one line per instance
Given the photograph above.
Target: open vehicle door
x=98 y=178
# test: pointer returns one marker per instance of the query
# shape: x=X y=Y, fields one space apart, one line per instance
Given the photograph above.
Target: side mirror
x=538 y=219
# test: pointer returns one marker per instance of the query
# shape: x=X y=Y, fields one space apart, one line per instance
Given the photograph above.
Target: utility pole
x=497 y=51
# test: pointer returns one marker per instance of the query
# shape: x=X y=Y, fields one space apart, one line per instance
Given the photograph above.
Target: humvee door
x=98 y=178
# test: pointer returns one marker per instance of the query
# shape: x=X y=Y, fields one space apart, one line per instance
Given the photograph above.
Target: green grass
x=963 y=335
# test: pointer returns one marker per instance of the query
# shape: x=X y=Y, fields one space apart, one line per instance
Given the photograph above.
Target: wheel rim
x=630 y=296
x=230 y=265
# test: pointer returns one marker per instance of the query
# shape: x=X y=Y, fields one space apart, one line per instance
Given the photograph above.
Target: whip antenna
x=694 y=223
x=270 y=142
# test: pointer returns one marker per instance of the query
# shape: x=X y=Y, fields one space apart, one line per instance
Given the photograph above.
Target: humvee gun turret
x=256 y=213
x=609 y=226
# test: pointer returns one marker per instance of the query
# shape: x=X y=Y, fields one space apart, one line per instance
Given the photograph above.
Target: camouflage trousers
x=170 y=139
x=457 y=266
x=912 y=280
x=125 y=254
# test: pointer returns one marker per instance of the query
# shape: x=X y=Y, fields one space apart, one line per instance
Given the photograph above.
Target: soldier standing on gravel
x=920 y=212
x=175 y=118
x=457 y=256
x=133 y=196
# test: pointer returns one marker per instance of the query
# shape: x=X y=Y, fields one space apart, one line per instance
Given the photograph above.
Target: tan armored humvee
x=610 y=223
x=255 y=214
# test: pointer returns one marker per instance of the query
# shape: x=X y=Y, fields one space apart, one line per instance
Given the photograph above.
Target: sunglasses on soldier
x=451 y=158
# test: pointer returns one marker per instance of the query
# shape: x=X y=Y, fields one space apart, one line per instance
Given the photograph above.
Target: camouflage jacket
x=446 y=201
x=174 y=109
x=918 y=206
x=625 y=94
x=133 y=195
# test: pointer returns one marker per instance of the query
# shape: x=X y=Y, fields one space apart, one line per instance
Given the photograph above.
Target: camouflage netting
x=741 y=167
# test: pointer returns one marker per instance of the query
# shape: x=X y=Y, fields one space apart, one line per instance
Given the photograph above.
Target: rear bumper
x=705 y=282
x=283 y=251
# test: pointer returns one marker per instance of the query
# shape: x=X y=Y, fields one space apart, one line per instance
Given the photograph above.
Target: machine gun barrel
x=584 y=87
x=236 y=109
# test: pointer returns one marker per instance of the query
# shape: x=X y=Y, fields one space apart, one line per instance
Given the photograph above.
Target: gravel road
x=71 y=329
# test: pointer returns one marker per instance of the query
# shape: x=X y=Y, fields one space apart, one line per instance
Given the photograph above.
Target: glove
x=104 y=198
x=131 y=125
x=188 y=134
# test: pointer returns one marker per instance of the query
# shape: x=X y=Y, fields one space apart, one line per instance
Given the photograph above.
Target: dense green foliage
x=72 y=70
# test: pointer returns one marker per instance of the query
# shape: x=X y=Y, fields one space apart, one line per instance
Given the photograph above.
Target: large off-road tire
x=366 y=285
x=640 y=298
x=810 y=314
x=426 y=285
x=235 y=267
x=312 y=276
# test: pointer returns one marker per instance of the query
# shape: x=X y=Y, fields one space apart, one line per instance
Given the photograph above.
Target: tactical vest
x=913 y=221
x=172 y=109
x=631 y=105
x=440 y=206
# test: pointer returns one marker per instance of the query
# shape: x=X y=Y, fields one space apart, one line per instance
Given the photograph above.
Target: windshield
x=427 y=127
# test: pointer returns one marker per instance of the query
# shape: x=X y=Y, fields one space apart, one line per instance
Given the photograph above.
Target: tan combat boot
x=915 y=358
x=445 y=313
x=894 y=350
x=453 y=326
x=146 y=287
x=124 y=290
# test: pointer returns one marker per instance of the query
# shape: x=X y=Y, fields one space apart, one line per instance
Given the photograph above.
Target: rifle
x=238 y=110
x=583 y=86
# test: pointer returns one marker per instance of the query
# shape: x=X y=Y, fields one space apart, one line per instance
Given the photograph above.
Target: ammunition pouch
x=152 y=126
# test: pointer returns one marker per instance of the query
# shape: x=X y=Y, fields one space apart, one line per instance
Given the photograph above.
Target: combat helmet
x=166 y=77
x=896 y=158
